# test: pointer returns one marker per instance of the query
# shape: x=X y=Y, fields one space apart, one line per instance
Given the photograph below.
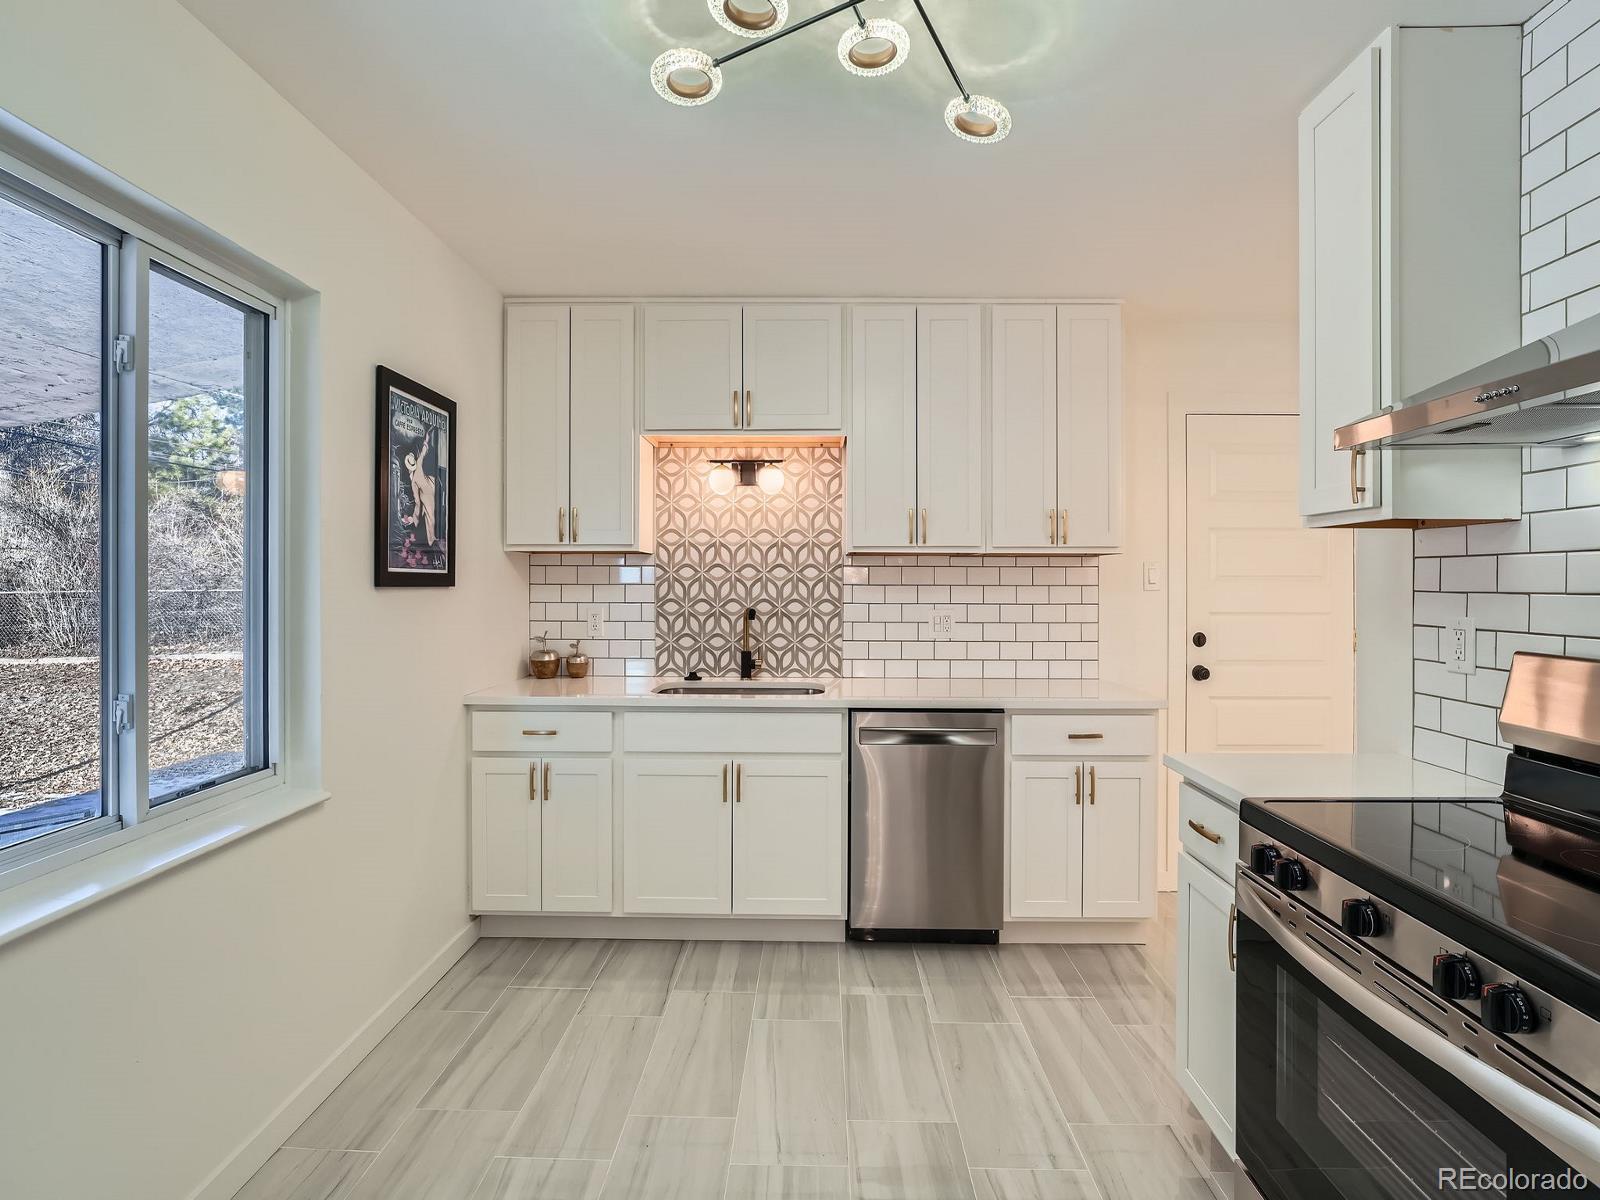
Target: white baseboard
x=695 y=929
x=244 y=1162
x=1135 y=932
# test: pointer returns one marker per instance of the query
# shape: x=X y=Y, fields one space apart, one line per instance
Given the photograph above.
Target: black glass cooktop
x=1519 y=871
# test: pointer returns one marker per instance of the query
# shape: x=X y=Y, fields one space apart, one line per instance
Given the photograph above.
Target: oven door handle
x=1571 y=1137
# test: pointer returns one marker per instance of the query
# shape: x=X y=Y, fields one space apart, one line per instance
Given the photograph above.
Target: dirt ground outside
x=51 y=743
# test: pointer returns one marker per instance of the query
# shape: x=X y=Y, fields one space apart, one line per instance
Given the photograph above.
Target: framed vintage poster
x=416 y=478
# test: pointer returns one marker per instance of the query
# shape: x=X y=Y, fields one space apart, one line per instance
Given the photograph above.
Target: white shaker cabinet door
x=1119 y=839
x=1046 y=839
x=605 y=444
x=536 y=429
x=950 y=426
x=881 y=456
x=1340 y=352
x=1206 y=1029
x=1022 y=442
x=677 y=834
x=1089 y=424
x=506 y=856
x=788 y=837
x=693 y=373
x=577 y=834
x=793 y=367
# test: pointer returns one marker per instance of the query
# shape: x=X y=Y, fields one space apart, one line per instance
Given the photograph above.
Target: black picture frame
x=414 y=543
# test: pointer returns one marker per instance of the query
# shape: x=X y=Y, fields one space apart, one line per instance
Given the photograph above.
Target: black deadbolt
x=1199 y=639
x=1201 y=673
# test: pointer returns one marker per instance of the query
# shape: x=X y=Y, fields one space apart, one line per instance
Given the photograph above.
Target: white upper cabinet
x=950 y=427
x=572 y=446
x=881 y=457
x=1056 y=427
x=793 y=367
x=693 y=367
x=711 y=368
x=914 y=460
x=1408 y=277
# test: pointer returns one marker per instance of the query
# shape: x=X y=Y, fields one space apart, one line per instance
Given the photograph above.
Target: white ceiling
x=1153 y=154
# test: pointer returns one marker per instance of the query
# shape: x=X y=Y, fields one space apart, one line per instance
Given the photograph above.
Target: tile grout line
x=938 y=1063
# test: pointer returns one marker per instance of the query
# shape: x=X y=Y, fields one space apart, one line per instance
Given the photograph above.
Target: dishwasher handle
x=927 y=737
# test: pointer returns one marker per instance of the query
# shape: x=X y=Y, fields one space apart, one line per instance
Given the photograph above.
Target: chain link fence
x=38 y=623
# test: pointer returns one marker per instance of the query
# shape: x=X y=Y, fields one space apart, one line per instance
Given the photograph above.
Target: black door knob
x=1201 y=673
x=1455 y=977
x=1199 y=639
x=1263 y=858
x=1291 y=875
x=1360 y=918
x=1507 y=1009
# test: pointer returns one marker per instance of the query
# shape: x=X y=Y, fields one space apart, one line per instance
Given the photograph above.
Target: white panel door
x=537 y=379
x=788 y=837
x=1119 y=839
x=577 y=834
x=881 y=457
x=505 y=835
x=1339 y=335
x=1089 y=423
x=794 y=366
x=677 y=834
x=1046 y=839
x=693 y=377
x=1274 y=601
x=605 y=445
x=1022 y=443
x=1206 y=1011
x=950 y=427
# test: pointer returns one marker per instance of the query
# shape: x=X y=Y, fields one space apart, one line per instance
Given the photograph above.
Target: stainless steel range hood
x=1546 y=393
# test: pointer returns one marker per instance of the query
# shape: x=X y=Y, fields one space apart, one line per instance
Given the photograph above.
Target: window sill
x=37 y=902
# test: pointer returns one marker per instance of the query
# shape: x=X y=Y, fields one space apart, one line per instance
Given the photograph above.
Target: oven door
x=1344 y=1095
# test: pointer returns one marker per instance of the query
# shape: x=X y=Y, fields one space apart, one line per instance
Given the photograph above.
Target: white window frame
x=128 y=817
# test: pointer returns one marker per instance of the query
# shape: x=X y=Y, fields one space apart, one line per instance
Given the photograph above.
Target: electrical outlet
x=1458 y=646
x=594 y=618
x=942 y=624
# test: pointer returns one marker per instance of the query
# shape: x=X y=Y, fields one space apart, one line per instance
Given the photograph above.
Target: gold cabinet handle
x=1357 y=490
x=735 y=408
x=539 y=732
x=547 y=783
x=924 y=527
x=749 y=407
x=911 y=527
x=574 y=524
x=1050 y=523
x=738 y=783
x=1085 y=737
x=561 y=523
x=1233 y=924
x=1214 y=838
x=533 y=782
x=1062 y=541
x=724 y=783
x=1077 y=784
x=1091 y=785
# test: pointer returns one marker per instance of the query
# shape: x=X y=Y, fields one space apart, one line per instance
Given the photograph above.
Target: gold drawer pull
x=1214 y=838
x=1085 y=737
x=540 y=732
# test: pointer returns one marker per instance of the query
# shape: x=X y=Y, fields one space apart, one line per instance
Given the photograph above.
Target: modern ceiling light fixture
x=870 y=47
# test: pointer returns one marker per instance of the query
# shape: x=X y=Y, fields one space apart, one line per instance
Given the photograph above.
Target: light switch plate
x=942 y=624
x=594 y=618
x=1458 y=646
x=1151 y=572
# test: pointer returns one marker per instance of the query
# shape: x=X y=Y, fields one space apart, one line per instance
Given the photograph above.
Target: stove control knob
x=1360 y=918
x=1263 y=857
x=1291 y=875
x=1455 y=978
x=1508 y=1009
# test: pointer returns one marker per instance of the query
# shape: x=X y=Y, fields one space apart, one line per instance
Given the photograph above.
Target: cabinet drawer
x=1216 y=820
x=734 y=732
x=1083 y=736
x=534 y=732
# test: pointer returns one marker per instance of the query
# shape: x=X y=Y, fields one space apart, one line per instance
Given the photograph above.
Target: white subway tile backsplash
x=1575 y=615
x=1565 y=529
x=1495 y=610
x=1533 y=573
x=1544 y=490
x=1470 y=574
x=1438 y=608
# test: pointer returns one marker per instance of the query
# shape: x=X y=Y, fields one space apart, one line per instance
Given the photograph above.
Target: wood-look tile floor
x=562 y=1070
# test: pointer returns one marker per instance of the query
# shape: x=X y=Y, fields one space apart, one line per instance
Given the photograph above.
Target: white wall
x=1533 y=584
x=147 y=1038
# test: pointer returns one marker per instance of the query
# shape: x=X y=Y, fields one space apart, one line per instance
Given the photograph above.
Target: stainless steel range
x=1419 y=981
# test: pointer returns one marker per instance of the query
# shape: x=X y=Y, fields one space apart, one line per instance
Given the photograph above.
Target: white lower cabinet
x=1082 y=839
x=758 y=836
x=1206 y=1031
x=541 y=835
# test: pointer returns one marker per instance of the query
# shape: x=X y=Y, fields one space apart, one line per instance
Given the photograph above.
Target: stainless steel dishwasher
x=927 y=816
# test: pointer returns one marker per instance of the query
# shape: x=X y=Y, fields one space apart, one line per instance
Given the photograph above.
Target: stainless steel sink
x=740 y=689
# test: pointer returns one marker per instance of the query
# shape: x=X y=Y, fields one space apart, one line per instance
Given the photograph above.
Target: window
x=134 y=541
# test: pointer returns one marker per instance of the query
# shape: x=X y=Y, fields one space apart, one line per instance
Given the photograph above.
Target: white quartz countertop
x=1012 y=695
x=1235 y=778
